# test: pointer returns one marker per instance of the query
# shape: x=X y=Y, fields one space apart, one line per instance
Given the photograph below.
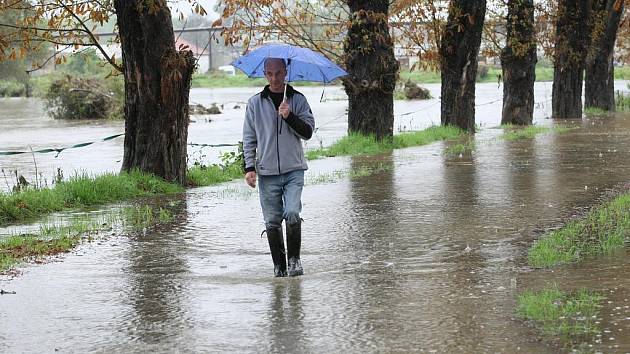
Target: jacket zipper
x=277 y=138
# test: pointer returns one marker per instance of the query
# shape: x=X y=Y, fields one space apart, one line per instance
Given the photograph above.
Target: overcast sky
x=207 y=4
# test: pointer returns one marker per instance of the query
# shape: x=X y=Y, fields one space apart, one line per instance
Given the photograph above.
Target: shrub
x=12 y=89
x=83 y=98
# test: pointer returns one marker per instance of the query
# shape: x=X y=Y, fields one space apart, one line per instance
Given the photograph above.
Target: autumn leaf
x=217 y=23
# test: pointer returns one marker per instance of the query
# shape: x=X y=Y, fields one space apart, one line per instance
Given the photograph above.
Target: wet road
x=426 y=255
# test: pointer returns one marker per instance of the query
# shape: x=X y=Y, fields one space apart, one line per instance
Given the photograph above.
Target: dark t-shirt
x=294 y=122
x=276 y=97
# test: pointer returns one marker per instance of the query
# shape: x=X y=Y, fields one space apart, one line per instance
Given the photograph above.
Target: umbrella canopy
x=303 y=64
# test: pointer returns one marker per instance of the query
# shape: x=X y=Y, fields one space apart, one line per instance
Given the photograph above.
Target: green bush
x=482 y=72
x=12 y=89
x=84 y=98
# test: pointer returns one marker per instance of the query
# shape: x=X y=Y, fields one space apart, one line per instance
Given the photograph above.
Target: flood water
x=24 y=125
x=426 y=255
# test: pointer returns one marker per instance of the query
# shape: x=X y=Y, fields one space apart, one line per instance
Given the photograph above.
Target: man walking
x=276 y=121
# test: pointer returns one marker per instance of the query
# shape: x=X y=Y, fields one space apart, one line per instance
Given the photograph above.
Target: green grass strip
x=605 y=229
x=357 y=144
x=570 y=316
x=81 y=191
x=201 y=175
x=17 y=248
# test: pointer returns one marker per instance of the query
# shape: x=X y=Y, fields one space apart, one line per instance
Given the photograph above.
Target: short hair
x=284 y=64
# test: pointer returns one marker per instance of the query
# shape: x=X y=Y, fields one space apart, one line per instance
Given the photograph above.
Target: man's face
x=275 y=72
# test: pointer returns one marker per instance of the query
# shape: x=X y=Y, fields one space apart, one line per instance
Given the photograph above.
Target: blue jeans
x=281 y=197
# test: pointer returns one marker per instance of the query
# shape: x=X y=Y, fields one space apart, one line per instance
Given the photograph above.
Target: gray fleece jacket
x=272 y=145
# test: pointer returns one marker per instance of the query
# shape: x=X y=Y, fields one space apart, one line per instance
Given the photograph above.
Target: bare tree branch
x=92 y=37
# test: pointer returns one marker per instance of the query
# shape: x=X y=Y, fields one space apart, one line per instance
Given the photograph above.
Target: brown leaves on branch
x=65 y=24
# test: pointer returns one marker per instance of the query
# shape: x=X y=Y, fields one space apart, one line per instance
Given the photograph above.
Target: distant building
x=210 y=52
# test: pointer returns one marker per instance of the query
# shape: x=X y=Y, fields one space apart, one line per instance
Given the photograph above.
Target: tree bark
x=459 y=48
x=569 y=58
x=518 y=62
x=372 y=68
x=599 y=88
x=157 y=85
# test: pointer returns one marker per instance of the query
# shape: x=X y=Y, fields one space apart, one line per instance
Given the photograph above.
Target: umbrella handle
x=287 y=80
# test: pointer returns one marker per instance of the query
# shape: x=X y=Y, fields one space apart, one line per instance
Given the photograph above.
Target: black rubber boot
x=294 y=242
x=276 y=245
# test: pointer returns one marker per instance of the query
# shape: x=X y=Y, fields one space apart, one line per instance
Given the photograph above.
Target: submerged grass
x=517 y=133
x=604 y=230
x=80 y=191
x=15 y=249
x=51 y=239
x=337 y=175
x=142 y=217
x=461 y=148
x=357 y=144
x=570 y=316
x=595 y=111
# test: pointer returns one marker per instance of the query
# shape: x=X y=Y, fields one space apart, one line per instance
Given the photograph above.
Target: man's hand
x=250 y=178
x=284 y=110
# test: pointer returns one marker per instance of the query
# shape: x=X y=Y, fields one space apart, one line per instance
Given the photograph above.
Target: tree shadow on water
x=157 y=285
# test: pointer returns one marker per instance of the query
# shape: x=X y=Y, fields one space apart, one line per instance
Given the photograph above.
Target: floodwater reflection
x=287 y=332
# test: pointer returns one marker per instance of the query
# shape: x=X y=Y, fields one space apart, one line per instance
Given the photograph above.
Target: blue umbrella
x=302 y=64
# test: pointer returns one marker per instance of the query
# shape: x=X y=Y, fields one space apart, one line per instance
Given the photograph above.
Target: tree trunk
x=569 y=58
x=458 y=62
x=157 y=84
x=372 y=69
x=518 y=61
x=599 y=88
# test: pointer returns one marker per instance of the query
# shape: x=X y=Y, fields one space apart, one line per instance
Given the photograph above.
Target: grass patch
x=357 y=144
x=570 y=316
x=50 y=240
x=231 y=167
x=461 y=148
x=18 y=248
x=517 y=133
x=605 y=229
x=594 y=112
x=80 y=191
x=201 y=175
x=142 y=217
